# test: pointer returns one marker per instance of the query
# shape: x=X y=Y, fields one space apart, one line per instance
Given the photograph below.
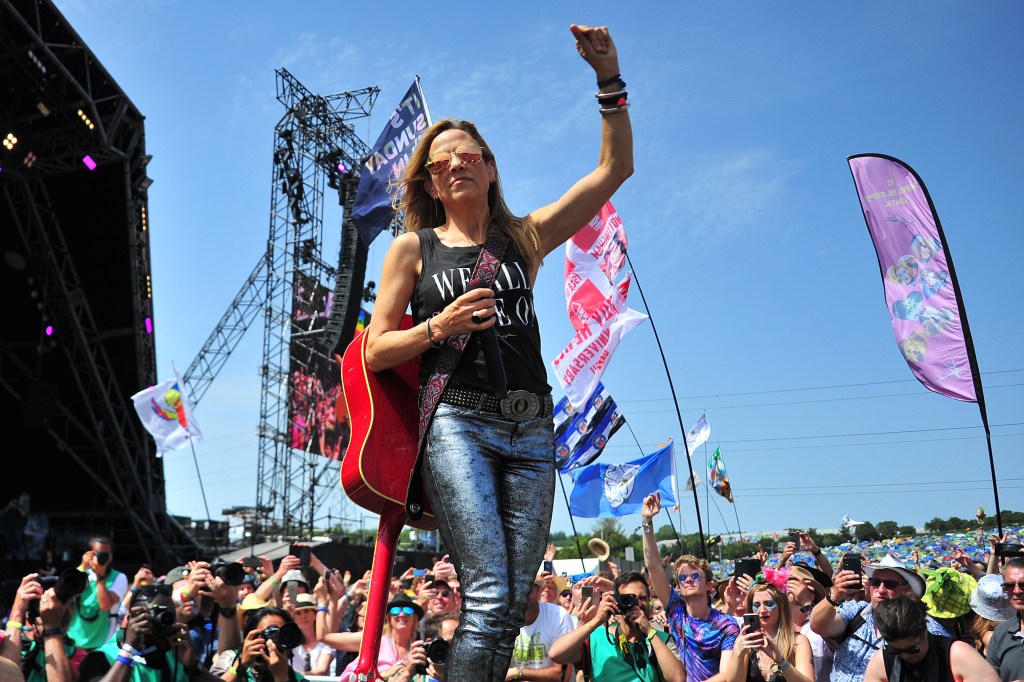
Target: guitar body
x=383 y=414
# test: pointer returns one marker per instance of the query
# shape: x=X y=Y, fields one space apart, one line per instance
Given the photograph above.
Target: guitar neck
x=392 y=519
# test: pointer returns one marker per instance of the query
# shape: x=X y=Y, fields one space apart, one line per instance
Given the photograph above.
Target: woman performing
x=488 y=472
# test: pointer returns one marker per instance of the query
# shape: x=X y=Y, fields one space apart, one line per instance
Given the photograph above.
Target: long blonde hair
x=785 y=638
x=422 y=211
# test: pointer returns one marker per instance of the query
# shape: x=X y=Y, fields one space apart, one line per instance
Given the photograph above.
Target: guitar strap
x=483 y=275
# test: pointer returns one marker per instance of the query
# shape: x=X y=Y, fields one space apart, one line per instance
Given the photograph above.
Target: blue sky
x=745 y=231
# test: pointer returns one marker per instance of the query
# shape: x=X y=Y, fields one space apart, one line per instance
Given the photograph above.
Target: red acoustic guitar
x=384 y=419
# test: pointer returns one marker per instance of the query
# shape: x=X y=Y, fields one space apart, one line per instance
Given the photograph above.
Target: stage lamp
x=35 y=60
x=89 y=163
x=86 y=120
x=149 y=325
x=29 y=160
x=10 y=141
x=43 y=109
x=49 y=330
x=342 y=167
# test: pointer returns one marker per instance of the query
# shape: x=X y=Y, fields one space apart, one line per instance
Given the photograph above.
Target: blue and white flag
x=608 y=490
x=378 y=183
x=699 y=433
x=580 y=437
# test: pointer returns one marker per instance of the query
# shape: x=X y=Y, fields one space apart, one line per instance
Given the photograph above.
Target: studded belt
x=517 y=405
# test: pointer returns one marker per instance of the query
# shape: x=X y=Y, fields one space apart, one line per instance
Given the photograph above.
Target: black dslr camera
x=66 y=587
x=232 y=573
x=437 y=651
x=287 y=636
x=162 y=613
x=626 y=601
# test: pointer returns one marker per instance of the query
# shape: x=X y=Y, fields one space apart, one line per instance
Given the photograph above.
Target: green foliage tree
x=907 y=530
x=887 y=529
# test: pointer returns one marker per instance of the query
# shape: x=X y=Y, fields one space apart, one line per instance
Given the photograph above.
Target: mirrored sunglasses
x=402 y=611
x=469 y=153
x=691 y=577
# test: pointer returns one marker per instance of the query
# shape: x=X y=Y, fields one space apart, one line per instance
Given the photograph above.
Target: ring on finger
x=476 y=317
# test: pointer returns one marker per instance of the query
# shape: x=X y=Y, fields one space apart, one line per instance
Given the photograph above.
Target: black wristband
x=605 y=83
x=828 y=598
x=53 y=632
x=228 y=612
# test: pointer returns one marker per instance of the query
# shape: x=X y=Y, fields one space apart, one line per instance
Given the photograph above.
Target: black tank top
x=934 y=667
x=445 y=274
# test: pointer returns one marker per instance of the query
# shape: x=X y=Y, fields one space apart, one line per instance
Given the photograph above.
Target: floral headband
x=777 y=578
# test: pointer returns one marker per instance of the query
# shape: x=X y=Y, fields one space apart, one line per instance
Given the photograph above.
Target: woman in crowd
x=991 y=607
x=487 y=462
x=771 y=649
x=400 y=632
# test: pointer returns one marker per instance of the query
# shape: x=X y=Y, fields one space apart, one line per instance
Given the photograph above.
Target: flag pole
x=969 y=344
x=675 y=400
x=572 y=522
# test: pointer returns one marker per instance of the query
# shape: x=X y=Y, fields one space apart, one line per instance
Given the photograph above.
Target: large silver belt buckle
x=520 y=406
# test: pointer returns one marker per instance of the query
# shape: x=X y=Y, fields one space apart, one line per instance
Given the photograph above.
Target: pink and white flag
x=593 y=259
x=580 y=366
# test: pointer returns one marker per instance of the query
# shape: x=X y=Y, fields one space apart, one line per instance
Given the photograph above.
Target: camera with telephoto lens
x=437 y=651
x=66 y=587
x=232 y=573
x=626 y=601
x=287 y=636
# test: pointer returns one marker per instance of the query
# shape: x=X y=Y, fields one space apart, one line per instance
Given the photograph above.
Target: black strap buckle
x=520 y=406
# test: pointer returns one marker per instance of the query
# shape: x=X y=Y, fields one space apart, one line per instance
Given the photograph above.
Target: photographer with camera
x=426 y=659
x=616 y=642
x=270 y=635
x=95 y=620
x=42 y=609
x=153 y=646
x=206 y=597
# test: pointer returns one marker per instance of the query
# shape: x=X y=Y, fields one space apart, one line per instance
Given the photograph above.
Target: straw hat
x=989 y=601
x=252 y=602
x=599 y=548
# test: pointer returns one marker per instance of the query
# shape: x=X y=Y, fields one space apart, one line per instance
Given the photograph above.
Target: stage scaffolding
x=315 y=148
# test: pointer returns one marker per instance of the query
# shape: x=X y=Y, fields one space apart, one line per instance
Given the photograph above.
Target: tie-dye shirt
x=704 y=639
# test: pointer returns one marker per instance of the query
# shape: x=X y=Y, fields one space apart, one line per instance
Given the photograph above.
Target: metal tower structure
x=315 y=147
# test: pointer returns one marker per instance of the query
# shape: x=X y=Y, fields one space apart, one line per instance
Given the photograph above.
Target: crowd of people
x=794 y=615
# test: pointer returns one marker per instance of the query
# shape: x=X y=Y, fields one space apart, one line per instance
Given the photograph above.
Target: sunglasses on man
x=889 y=584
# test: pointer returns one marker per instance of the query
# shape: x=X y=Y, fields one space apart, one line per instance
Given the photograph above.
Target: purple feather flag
x=921 y=292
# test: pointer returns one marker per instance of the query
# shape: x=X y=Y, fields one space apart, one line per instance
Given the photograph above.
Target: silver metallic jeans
x=491 y=484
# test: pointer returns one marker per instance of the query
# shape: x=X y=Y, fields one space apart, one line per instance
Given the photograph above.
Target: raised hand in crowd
x=443 y=568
